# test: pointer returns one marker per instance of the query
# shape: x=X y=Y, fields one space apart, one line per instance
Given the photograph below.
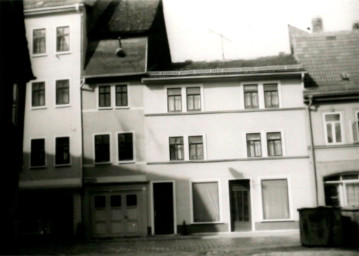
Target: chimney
x=356 y=26
x=317 y=25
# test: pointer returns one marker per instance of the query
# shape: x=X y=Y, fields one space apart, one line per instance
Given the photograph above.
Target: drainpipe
x=310 y=103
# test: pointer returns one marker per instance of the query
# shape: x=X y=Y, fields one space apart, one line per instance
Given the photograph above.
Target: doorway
x=239 y=194
x=163 y=211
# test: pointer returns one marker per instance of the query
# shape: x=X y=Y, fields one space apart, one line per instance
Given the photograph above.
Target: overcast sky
x=253 y=28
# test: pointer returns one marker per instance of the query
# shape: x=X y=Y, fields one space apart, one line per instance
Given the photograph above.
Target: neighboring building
x=15 y=72
x=332 y=96
x=51 y=179
x=116 y=191
x=226 y=146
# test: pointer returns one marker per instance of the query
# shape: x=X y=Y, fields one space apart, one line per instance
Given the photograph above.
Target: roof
x=331 y=59
x=35 y=4
x=127 y=17
x=102 y=59
x=258 y=65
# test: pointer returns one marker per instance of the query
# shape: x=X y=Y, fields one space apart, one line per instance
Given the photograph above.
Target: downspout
x=310 y=103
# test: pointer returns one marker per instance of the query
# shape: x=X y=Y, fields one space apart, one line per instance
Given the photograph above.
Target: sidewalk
x=253 y=243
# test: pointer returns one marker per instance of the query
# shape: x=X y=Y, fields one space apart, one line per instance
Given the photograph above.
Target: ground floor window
x=205 y=201
x=342 y=190
x=275 y=199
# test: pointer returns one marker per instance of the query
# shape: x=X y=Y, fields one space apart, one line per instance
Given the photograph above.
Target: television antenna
x=222 y=38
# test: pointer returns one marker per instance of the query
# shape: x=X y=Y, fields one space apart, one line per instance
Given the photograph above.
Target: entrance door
x=240 y=205
x=115 y=214
x=163 y=208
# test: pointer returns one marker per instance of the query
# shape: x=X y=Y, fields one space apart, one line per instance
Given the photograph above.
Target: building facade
x=51 y=179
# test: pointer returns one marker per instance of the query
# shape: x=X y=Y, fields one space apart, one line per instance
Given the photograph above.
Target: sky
x=250 y=28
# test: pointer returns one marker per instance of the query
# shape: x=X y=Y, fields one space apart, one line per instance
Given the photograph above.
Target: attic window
x=331 y=37
x=345 y=76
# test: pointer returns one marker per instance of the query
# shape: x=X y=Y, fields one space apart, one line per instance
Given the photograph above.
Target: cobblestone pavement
x=270 y=244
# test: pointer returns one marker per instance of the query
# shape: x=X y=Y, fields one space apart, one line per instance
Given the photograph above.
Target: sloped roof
x=34 y=4
x=258 y=65
x=331 y=59
x=102 y=59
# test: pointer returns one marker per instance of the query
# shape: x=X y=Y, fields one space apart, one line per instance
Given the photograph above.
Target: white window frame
x=45 y=162
x=45 y=92
x=185 y=151
x=333 y=130
x=174 y=205
x=32 y=42
x=94 y=148
x=70 y=48
x=204 y=143
x=261 y=98
x=264 y=145
x=220 y=210
x=98 y=96
x=184 y=97
x=55 y=94
x=290 y=203
x=282 y=141
x=356 y=128
x=133 y=147
x=343 y=200
x=70 y=162
x=128 y=96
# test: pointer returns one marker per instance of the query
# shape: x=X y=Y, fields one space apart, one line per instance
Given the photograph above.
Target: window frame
x=45 y=158
x=204 y=144
x=56 y=37
x=290 y=203
x=333 y=131
x=55 y=146
x=127 y=92
x=261 y=144
x=168 y=102
x=98 y=96
x=183 y=147
x=264 y=96
x=94 y=148
x=66 y=104
x=133 y=148
x=281 y=141
x=261 y=95
x=32 y=42
x=200 y=98
x=32 y=92
x=244 y=95
x=184 y=98
x=356 y=128
x=220 y=207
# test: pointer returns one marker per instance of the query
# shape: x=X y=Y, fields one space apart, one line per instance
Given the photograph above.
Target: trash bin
x=321 y=226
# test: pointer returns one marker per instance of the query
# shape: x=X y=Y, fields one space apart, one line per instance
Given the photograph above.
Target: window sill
x=122 y=107
x=104 y=108
x=39 y=55
x=62 y=53
x=62 y=106
x=207 y=222
x=103 y=163
x=38 y=167
x=277 y=220
x=127 y=162
x=62 y=165
x=36 y=108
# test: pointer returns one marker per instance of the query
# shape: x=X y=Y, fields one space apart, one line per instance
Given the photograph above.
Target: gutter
x=51 y=10
x=113 y=75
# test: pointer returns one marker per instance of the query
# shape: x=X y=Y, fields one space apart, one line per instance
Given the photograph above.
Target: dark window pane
x=62 y=150
x=176 y=148
x=331 y=194
x=102 y=148
x=131 y=200
x=254 y=145
x=100 y=201
x=332 y=117
x=62 y=92
x=121 y=95
x=274 y=143
x=63 y=39
x=39 y=41
x=116 y=201
x=125 y=146
x=195 y=147
x=38 y=94
x=105 y=96
x=37 y=152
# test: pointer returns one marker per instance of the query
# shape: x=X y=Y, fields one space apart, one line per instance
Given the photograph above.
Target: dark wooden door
x=240 y=205
x=163 y=208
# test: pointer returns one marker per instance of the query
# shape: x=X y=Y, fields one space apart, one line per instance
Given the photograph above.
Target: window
x=125 y=146
x=104 y=96
x=38 y=94
x=121 y=95
x=193 y=98
x=275 y=199
x=37 y=158
x=62 y=92
x=333 y=128
x=251 y=96
x=205 y=201
x=176 y=148
x=274 y=144
x=174 y=100
x=254 y=145
x=271 y=95
x=63 y=39
x=355 y=127
x=102 y=148
x=15 y=104
x=62 y=151
x=38 y=41
x=342 y=190
x=195 y=147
